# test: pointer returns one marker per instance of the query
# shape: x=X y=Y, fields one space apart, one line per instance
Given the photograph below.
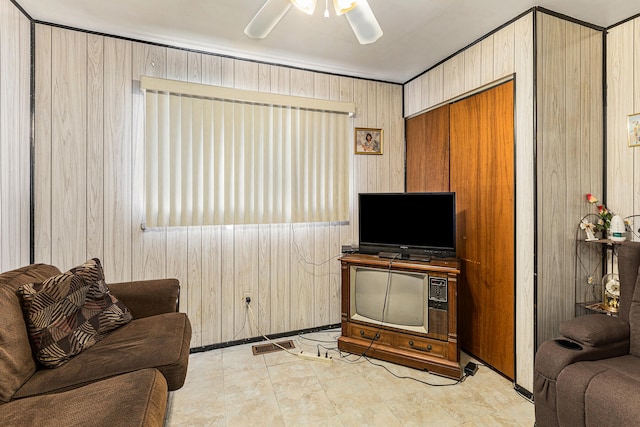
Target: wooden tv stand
x=436 y=351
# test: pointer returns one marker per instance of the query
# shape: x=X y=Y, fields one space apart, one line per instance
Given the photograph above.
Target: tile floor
x=232 y=387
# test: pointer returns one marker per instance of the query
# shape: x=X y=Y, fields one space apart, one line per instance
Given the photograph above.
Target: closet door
x=482 y=175
x=465 y=182
x=428 y=151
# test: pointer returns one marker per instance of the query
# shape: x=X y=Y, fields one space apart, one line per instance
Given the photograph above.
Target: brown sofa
x=122 y=380
x=590 y=376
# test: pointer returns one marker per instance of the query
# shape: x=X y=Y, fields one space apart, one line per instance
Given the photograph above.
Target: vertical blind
x=217 y=157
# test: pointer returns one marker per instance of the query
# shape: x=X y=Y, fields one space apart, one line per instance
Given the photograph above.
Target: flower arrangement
x=604 y=214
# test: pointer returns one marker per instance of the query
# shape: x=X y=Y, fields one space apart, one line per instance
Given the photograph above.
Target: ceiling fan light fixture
x=344 y=6
x=267 y=17
x=364 y=23
x=307 y=6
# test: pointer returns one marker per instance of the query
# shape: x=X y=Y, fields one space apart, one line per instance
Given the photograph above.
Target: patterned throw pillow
x=68 y=313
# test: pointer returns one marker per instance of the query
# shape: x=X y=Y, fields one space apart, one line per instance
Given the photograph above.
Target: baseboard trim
x=523 y=392
x=260 y=338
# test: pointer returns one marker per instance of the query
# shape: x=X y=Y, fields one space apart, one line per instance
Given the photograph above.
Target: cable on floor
x=415 y=379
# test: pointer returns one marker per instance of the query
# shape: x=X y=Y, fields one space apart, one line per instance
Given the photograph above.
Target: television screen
x=408 y=223
x=401 y=296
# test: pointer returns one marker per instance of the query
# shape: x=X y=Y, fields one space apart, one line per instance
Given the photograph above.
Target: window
x=217 y=155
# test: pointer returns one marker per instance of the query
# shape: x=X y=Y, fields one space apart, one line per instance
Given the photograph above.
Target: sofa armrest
x=553 y=355
x=591 y=337
x=146 y=298
x=550 y=360
x=585 y=338
x=595 y=330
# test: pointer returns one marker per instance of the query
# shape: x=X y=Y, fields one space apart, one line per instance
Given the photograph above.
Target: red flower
x=591 y=198
x=604 y=214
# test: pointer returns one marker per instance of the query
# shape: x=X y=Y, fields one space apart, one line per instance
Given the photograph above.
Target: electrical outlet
x=246 y=295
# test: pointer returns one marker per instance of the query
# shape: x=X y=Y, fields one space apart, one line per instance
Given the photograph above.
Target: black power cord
x=384 y=308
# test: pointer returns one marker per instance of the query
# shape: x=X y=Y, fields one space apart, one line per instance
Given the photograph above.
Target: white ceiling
x=417 y=33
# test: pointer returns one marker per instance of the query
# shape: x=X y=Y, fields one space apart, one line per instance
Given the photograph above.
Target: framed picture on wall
x=368 y=141
x=633 y=129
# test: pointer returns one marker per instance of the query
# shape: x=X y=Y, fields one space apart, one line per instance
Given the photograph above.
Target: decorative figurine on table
x=588 y=228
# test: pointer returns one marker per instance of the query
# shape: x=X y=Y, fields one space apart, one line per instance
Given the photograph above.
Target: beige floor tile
x=292 y=376
x=212 y=358
x=522 y=412
x=374 y=416
x=491 y=420
x=281 y=357
x=335 y=369
x=414 y=410
x=205 y=367
x=465 y=405
x=241 y=358
x=232 y=387
x=350 y=393
x=197 y=406
x=388 y=387
x=249 y=384
x=495 y=389
x=262 y=410
x=305 y=406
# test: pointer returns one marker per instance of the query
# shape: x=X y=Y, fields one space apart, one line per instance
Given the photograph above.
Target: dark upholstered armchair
x=590 y=376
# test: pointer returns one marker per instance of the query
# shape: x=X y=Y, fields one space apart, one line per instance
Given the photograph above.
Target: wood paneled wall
x=15 y=123
x=623 y=98
x=507 y=52
x=89 y=138
x=570 y=160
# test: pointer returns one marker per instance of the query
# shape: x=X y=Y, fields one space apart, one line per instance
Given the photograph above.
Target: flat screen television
x=408 y=224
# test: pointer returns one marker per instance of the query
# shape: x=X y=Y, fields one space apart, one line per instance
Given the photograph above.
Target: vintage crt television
x=398 y=299
x=404 y=225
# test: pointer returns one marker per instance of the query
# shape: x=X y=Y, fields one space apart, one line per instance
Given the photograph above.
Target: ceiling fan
x=358 y=14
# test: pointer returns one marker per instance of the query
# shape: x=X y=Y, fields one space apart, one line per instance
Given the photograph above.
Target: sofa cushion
x=580 y=379
x=70 y=312
x=571 y=388
x=160 y=342
x=612 y=400
x=133 y=399
x=16 y=359
x=627 y=365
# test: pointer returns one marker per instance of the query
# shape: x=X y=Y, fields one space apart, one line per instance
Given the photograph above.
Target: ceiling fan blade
x=364 y=23
x=267 y=17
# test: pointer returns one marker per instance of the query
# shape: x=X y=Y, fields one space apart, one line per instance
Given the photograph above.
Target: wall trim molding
x=32 y=141
x=569 y=18
x=533 y=9
x=263 y=338
x=490 y=33
x=24 y=12
x=624 y=21
x=204 y=52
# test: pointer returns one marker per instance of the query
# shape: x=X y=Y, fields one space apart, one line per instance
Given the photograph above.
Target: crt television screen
x=397 y=300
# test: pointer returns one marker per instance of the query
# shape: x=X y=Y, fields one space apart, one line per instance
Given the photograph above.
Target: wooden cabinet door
x=428 y=151
x=482 y=175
